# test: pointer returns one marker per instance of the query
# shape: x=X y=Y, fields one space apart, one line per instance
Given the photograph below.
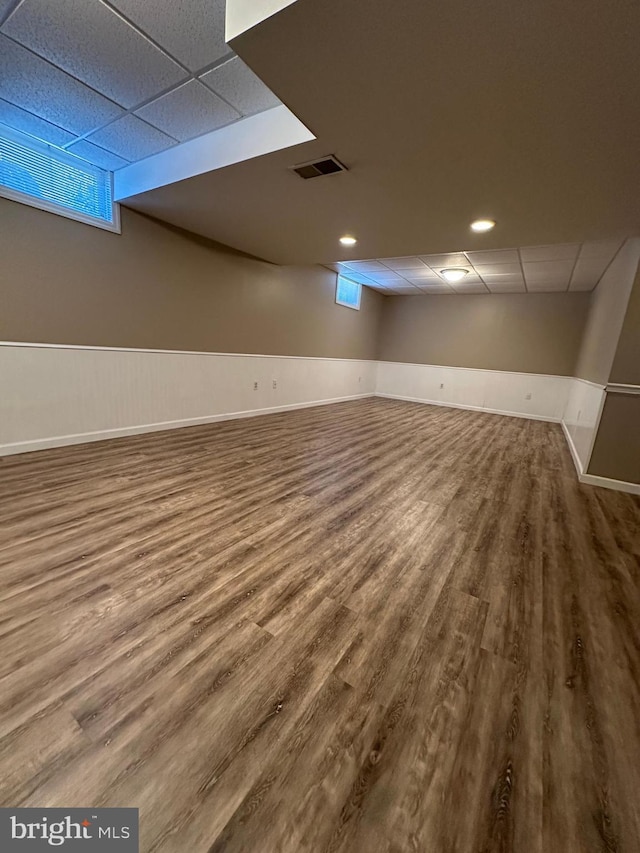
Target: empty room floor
x=372 y=626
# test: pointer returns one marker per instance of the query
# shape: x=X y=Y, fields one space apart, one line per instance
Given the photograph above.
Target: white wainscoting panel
x=51 y=396
x=525 y=395
x=581 y=418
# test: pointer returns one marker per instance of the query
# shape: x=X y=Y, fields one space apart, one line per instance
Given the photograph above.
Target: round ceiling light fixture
x=454 y=274
x=482 y=225
x=348 y=240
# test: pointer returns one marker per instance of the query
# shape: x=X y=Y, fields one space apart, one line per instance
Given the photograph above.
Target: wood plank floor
x=373 y=626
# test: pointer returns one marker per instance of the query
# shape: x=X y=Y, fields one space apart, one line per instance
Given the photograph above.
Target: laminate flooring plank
x=369 y=626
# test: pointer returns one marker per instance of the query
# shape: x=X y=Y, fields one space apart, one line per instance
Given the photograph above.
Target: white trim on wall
x=526 y=395
x=93 y=348
x=623 y=388
x=53 y=395
x=581 y=418
x=607 y=483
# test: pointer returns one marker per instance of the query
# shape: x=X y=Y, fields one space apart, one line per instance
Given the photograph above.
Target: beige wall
x=606 y=315
x=154 y=287
x=528 y=333
x=626 y=364
x=616 y=451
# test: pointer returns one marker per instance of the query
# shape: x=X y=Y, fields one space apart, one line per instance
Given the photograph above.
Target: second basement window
x=348 y=293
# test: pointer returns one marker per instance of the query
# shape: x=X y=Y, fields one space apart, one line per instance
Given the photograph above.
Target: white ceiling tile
x=469 y=287
x=456 y=259
x=131 y=138
x=494 y=256
x=191 y=32
x=363 y=266
x=188 y=111
x=5 y=5
x=435 y=288
x=424 y=274
x=506 y=286
x=29 y=123
x=546 y=287
x=403 y=263
x=387 y=277
x=238 y=85
x=92 y=43
x=561 y=252
x=600 y=249
x=30 y=82
x=552 y=272
x=405 y=291
x=498 y=269
x=97 y=156
x=503 y=279
x=587 y=272
x=356 y=276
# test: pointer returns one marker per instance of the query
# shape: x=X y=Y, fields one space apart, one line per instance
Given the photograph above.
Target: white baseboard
x=468 y=408
x=607 y=483
x=122 y=432
x=593 y=479
x=572 y=449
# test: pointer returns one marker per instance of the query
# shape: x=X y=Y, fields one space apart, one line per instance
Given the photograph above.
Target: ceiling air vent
x=326 y=166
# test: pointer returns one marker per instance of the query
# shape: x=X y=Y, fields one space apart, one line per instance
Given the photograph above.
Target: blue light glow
x=348 y=293
x=44 y=172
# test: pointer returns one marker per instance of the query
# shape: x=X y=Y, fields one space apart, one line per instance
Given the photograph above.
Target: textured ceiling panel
x=5 y=5
x=192 y=32
x=420 y=274
x=494 y=256
x=36 y=86
x=600 y=249
x=26 y=122
x=97 y=156
x=188 y=111
x=506 y=286
x=587 y=272
x=404 y=263
x=364 y=266
x=455 y=259
x=548 y=271
x=131 y=138
x=498 y=269
x=89 y=41
x=238 y=85
x=565 y=251
x=495 y=271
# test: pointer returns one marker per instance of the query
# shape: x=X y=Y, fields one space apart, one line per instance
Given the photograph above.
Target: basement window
x=40 y=175
x=348 y=293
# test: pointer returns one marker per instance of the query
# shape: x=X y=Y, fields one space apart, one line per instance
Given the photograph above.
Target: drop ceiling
x=116 y=82
x=532 y=269
x=525 y=114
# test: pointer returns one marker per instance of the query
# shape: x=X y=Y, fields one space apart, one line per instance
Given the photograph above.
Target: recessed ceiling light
x=454 y=273
x=347 y=240
x=481 y=225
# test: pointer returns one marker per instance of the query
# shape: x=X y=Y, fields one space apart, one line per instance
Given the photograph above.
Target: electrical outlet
x=275 y=384
x=359 y=378
x=528 y=397
x=255 y=386
x=442 y=384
